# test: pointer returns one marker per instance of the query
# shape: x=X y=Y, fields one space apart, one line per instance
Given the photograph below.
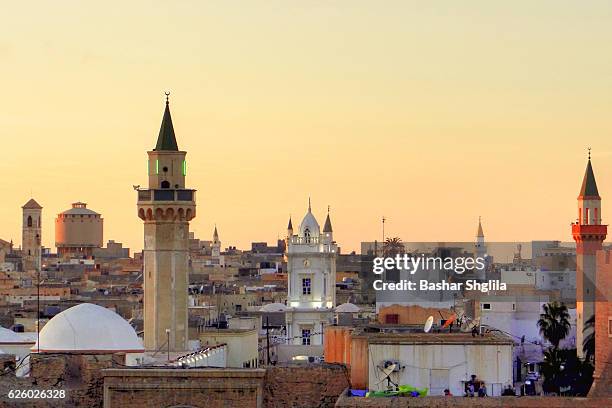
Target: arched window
x=307 y=235
x=29 y=221
x=165 y=184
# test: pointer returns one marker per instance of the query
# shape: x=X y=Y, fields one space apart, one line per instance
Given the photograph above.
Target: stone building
x=78 y=231
x=31 y=235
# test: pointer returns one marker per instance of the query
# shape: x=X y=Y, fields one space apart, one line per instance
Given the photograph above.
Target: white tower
x=311 y=265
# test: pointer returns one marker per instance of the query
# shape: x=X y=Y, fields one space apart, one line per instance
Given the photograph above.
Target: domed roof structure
x=309 y=224
x=88 y=328
x=347 y=308
x=273 y=307
x=9 y=336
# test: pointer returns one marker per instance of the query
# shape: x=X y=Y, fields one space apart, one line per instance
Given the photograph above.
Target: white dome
x=347 y=308
x=273 y=307
x=9 y=336
x=88 y=328
x=309 y=223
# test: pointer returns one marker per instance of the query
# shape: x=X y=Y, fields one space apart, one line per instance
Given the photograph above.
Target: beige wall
x=241 y=345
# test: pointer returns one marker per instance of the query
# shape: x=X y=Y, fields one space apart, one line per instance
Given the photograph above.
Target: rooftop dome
x=347 y=308
x=273 y=307
x=79 y=209
x=9 y=336
x=309 y=224
x=88 y=328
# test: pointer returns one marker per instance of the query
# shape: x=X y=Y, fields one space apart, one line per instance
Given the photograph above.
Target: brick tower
x=589 y=233
x=166 y=207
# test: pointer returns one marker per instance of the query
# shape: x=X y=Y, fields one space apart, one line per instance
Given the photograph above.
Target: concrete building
x=311 y=265
x=166 y=207
x=78 y=231
x=31 y=235
x=436 y=361
x=589 y=233
x=603 y=326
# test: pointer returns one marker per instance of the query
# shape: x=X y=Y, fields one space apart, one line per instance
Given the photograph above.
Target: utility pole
x=38 y=309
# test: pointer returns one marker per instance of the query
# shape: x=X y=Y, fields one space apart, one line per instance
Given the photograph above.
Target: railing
x=304 y=240
x=166 y=195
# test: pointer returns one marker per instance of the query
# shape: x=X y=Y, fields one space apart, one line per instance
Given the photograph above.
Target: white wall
x=444 y=365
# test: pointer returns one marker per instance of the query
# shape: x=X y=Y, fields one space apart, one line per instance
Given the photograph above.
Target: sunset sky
x=429 y=114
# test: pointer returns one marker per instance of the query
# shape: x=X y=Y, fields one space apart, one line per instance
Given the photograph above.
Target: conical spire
x=290 y=225
x=327 y=227
x=215 y=234
x=309 y=208
x=166 y=139
x=480 y=232
x=589 y=186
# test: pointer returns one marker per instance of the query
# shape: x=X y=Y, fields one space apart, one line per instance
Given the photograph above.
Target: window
x=306 y=337
x=609 y=326
x=392 y=319
x=165 y=184
x=306 y=288
x=29 y=221
x=486 y=306
x=307 y=235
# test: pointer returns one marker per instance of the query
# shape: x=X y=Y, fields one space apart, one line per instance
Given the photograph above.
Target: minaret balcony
x=166 y=204
x=165 y=194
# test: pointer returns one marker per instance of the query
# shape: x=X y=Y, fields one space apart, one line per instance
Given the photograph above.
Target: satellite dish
x=387 y=371
x=428 y=324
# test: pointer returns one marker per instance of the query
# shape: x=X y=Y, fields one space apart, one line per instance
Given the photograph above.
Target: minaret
x=216 y=244
x=311 y=288
x=480 y=248
x=166 y=207
x=589 y=233
x=31 y=235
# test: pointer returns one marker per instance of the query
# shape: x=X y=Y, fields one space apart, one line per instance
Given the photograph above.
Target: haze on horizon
x=428 y=114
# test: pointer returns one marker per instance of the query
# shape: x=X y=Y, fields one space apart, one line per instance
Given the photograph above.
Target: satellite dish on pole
x=428 y=324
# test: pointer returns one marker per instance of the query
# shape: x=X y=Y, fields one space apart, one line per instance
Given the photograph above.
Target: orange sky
x=428 y=114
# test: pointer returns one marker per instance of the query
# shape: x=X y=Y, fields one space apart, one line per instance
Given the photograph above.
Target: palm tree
x=393 y=246
x=588 y=344
x=554 y=323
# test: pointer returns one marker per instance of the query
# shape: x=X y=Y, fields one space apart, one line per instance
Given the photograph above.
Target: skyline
x=480 y=119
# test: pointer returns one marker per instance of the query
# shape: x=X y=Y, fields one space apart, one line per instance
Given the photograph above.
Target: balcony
x=166 y=195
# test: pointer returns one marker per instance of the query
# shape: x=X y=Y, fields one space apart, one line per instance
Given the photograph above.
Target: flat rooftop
x=409 y=335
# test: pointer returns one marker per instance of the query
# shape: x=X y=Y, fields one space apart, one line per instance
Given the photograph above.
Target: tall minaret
x=480 y=248
x=216 y=244
x=166 y=208
x=589 y=233
x=31 y=235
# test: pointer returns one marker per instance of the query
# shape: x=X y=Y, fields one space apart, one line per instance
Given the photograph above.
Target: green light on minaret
x=157 y=166
x=184 y=167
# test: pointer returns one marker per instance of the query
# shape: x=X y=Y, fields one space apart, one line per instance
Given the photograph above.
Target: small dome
x=309 y=224
x=9 y=336
x=88 y=328
x=273 y=307
x=347 y=308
